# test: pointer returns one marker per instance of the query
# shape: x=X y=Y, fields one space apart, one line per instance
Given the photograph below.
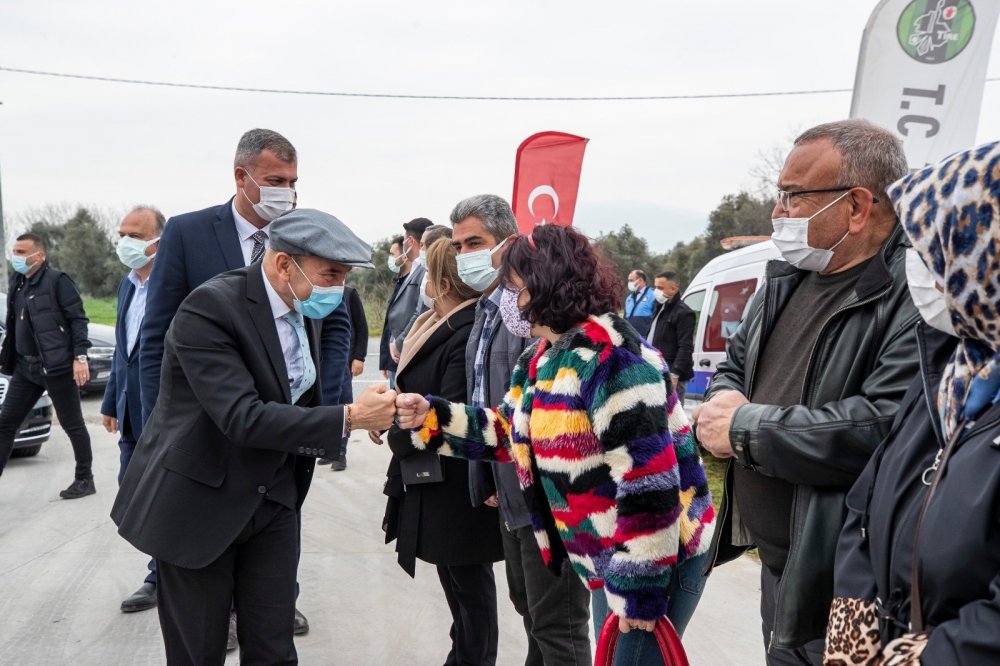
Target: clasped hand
x=411 y=410
x=374 y=409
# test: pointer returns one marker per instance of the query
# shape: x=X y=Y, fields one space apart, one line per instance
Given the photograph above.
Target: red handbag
x=668 y=640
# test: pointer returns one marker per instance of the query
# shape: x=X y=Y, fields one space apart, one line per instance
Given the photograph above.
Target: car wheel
x=26 y=451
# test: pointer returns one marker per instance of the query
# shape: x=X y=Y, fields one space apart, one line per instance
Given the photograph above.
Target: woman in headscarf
x=603 y=450
x=918 y=563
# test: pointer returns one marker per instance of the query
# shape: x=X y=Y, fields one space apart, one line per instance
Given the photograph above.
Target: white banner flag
x=921 y=73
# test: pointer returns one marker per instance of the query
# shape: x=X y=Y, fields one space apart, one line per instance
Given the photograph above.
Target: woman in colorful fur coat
x=605 y=455
x=917 y=579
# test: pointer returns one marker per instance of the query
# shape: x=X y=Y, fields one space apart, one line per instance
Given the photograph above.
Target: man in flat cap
x=225 y=460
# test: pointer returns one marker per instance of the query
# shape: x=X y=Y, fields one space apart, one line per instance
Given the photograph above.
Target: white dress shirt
x=136 y=312
x=290 y=347
x=245 y=232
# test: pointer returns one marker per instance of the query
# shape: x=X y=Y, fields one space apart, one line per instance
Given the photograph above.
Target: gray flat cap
x=313 y=233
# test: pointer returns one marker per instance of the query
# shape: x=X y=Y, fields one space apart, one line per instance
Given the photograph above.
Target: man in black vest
x=672 y=330
x=45 y=348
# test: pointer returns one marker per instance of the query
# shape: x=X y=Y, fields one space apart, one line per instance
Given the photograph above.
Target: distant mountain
x=661 y=226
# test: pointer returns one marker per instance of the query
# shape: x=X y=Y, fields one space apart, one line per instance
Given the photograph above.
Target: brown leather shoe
x=301 y=623
x=231 y=642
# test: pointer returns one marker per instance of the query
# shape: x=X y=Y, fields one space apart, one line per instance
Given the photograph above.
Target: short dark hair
x=567 y=277
x=669 y=276
x=416 y=227
x=640 y=274
x=396 y=240
x=34 y=238
x=256 y=141
x=433 y=233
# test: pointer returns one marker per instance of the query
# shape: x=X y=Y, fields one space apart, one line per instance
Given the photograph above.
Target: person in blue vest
x=121 y=412
x=640 y=302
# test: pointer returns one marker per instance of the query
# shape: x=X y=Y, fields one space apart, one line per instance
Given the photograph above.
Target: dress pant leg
x=22 y=394
x=264 y=593
x=472 y=596
x=559 y=607
x=681 y=391
x=65 y=395
x=517 y=591
x=193 y=605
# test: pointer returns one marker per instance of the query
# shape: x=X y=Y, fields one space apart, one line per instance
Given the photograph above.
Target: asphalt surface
x=64 y=571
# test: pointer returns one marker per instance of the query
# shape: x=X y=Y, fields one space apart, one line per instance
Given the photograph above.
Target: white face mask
x=659 y=296
x=273 y=200
x=395 y=263
x=427 y=299
x=791 y=237
x=923 y=290
x=476 y=268
x=632 y=286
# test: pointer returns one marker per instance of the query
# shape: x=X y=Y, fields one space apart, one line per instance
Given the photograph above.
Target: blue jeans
x=639 y=648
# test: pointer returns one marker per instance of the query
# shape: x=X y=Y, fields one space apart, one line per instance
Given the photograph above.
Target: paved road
x=64 y=571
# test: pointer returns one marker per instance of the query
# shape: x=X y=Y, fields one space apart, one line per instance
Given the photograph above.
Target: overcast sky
x=662 y=165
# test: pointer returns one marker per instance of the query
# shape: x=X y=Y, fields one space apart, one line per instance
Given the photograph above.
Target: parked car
x=102 y=350
x=35 y=429
x=726 y=284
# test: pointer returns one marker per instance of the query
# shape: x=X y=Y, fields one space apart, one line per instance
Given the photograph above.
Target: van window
x=728 y=304
x=695 y=300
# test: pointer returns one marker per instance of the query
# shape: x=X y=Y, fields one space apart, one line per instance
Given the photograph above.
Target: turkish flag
x=547 y=179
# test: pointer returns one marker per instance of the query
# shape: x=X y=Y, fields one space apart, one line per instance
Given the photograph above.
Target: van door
x=723 y=310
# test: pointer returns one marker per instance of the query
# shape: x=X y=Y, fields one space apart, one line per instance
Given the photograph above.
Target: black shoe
x=142 y=599
x=339 y=465
x=231 y=642
x=301 y=623
x=324 y=461
x=79 y=488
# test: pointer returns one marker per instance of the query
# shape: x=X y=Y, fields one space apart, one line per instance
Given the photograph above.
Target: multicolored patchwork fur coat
x=605 y=456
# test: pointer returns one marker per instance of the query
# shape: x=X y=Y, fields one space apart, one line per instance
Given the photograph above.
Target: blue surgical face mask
x=321 y=301
x=394 y=263
x=132 y=251
x=20 y=264
x=476 y=268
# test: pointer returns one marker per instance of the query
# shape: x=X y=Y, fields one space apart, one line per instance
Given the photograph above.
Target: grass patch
x=715 y=470
x=101 y=310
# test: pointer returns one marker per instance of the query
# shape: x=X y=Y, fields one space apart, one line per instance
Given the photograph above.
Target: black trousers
x=471 y=592
x=26 y=387
x=555 y=609
x=809 y=654
x=256 y=574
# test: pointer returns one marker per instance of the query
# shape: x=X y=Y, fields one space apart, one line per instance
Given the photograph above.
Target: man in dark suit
x=121 y=410
x=405 y=298
x=200 y=245
x=225 y=460
x=672 y=330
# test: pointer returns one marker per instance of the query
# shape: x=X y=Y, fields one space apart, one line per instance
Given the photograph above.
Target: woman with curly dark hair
x=603 y=450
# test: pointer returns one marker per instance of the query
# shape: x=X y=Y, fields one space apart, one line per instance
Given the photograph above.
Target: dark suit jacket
x=121 y=395
x=335 y=375
x=222 y=427
x=674 y=336
x=399 y=313
x=194 y=247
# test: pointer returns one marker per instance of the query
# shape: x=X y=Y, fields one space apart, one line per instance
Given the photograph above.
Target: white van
x=726 y=284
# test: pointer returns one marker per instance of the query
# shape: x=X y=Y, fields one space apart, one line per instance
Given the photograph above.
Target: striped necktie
x=258 y=246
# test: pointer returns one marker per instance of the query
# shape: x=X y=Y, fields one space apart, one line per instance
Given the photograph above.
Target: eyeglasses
x=784 y=197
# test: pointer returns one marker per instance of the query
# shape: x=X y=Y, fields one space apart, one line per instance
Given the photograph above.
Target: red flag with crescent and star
x=547 y=179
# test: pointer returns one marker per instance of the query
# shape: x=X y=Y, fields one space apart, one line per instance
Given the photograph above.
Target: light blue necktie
x=309 y=369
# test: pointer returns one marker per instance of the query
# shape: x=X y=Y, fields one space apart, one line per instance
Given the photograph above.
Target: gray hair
x=871 y=156
x=256 y=141
x=157 y=215
x=493 y=211
x=435 y=232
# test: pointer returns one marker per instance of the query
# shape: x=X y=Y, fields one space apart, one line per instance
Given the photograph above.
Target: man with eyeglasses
x=814 y=375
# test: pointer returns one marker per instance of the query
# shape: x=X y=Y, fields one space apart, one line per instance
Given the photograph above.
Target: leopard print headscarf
x=951 y=213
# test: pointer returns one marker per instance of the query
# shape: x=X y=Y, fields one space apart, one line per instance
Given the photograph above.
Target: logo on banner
x=935 y=31
x=544 y=190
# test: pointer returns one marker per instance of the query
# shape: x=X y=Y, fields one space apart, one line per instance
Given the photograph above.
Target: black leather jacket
x=859 y=370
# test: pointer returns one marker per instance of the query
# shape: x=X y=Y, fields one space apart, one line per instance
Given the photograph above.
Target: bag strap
x=916 y=612
x=667 y=639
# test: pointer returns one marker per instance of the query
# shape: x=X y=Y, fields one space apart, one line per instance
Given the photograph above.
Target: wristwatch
x=82 y=358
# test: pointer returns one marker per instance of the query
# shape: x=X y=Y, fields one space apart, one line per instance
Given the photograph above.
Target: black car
x=35 y=429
